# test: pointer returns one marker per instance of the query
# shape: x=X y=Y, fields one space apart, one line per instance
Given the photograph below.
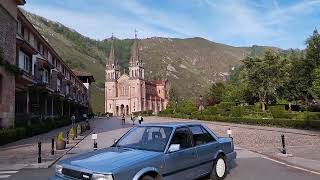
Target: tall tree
x=265 y=75
x=215 y=93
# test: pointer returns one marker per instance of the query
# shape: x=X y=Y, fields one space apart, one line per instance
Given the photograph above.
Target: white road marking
x=295 y=167
x=6 y=174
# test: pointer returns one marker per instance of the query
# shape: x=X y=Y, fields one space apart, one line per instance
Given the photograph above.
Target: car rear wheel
x=219 y=170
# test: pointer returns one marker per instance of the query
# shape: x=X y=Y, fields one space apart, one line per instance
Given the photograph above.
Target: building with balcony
x=46 y=87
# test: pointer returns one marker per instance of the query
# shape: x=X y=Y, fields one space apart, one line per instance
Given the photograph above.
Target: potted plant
x=61 y=143
x=71 y=133
x=78 y=130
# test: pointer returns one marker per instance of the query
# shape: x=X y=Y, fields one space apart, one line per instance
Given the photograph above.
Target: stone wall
x=8 y=26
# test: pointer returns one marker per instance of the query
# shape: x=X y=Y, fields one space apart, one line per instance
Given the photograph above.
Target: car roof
x=171 y=124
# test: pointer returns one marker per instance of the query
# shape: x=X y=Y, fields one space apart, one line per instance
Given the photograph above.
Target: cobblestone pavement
x=24 y=153
x=302 y=144
x=248 y=165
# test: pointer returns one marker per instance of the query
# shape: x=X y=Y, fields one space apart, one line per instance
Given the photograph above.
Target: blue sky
x=281 y=23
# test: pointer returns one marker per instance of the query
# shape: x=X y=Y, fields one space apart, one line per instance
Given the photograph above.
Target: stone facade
x=46 y=87
x=8 y=26
x=128 y=93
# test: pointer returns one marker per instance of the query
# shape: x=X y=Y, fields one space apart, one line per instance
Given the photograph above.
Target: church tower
x=136 y=70
x=137 y=82
x=112 y=74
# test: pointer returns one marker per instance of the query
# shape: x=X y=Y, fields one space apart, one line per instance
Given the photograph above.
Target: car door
x=180 y=164
x=206 y=147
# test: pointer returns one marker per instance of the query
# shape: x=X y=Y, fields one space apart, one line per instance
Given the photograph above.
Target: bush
x=225 y=105
x=210 y=110
x=237 y=111
x=187 y=107
x=60 y=137
x=300 y=124
x=143 y=113
x=12 y=134
x=280 y=112
x=311 y=115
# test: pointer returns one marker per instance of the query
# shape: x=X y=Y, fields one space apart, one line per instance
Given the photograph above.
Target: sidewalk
x=24 y=153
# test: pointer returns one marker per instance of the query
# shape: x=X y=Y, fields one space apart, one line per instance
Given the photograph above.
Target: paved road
x=248 y=166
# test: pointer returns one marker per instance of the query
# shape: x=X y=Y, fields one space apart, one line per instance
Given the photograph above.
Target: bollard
x=283 y=145
x=229 y=132
x=95 y=145
x=67 y=137
x=52 y=146
x=76 y=132
x=39 y=152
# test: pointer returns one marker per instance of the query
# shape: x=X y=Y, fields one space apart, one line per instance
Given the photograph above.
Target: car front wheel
x=219 y=170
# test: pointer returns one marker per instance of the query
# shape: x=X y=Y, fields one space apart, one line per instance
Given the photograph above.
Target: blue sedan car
x=170 y=151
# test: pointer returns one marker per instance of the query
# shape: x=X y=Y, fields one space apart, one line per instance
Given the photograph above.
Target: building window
x=24 y=61
x=67 y=89
x=109 y=106
x=159 y=91
x=45 y=77
x=58 y=84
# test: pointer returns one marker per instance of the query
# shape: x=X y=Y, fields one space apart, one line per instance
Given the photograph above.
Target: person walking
x=123 y=122
x=132 y=119
x=140 y=118
x=73 y=119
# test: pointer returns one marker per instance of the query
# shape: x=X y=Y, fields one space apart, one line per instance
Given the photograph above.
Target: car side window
x=181 y=136
x=208 y=136
x=200 y=135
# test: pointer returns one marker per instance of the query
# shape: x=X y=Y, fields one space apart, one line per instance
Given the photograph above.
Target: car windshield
x=148 y=138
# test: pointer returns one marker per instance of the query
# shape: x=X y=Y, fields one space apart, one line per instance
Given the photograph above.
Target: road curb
x=286 y=163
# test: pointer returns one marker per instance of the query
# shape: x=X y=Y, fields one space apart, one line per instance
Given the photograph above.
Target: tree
x=215 y=93
x=265 y=75
x=316 y=83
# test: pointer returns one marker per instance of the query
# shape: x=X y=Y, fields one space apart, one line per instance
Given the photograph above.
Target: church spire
x=112 y=59
x=136 y=69
x=135 y=53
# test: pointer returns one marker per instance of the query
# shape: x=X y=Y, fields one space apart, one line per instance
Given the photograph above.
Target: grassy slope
x=191 y=64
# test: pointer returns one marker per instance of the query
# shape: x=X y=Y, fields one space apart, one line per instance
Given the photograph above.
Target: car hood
x=107 y=160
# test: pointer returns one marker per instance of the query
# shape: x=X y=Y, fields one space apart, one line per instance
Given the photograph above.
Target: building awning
x=85 y=77
x=24 y=45
x=44 y=62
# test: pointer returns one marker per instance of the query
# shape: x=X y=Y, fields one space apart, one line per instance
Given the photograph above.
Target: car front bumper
x=231 y=156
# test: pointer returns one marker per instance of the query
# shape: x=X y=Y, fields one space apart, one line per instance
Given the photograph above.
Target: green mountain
x=191 y=64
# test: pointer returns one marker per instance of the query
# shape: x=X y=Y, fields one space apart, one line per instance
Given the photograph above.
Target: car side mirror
x=174 y=148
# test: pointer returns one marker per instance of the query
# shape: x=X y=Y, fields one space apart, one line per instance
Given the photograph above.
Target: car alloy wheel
x=219 y=168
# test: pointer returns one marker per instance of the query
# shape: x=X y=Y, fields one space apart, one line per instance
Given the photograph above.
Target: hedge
x=143 y=113
x=37 y=126
x=300 y=124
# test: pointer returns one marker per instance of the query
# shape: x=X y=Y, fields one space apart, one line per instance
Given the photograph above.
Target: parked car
x=177 y=151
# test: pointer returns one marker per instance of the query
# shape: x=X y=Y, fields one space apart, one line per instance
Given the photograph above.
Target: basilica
x=128 y=93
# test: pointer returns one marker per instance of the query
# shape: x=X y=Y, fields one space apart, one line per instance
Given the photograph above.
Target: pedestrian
x=73 y=119
x=123 y=119
x=132 y=119
x=140 y=119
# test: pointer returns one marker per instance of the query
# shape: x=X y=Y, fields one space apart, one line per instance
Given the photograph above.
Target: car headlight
x=102 y=177
x=59 y=169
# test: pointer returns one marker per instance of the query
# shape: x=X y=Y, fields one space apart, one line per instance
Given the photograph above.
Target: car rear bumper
x=231 y=156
